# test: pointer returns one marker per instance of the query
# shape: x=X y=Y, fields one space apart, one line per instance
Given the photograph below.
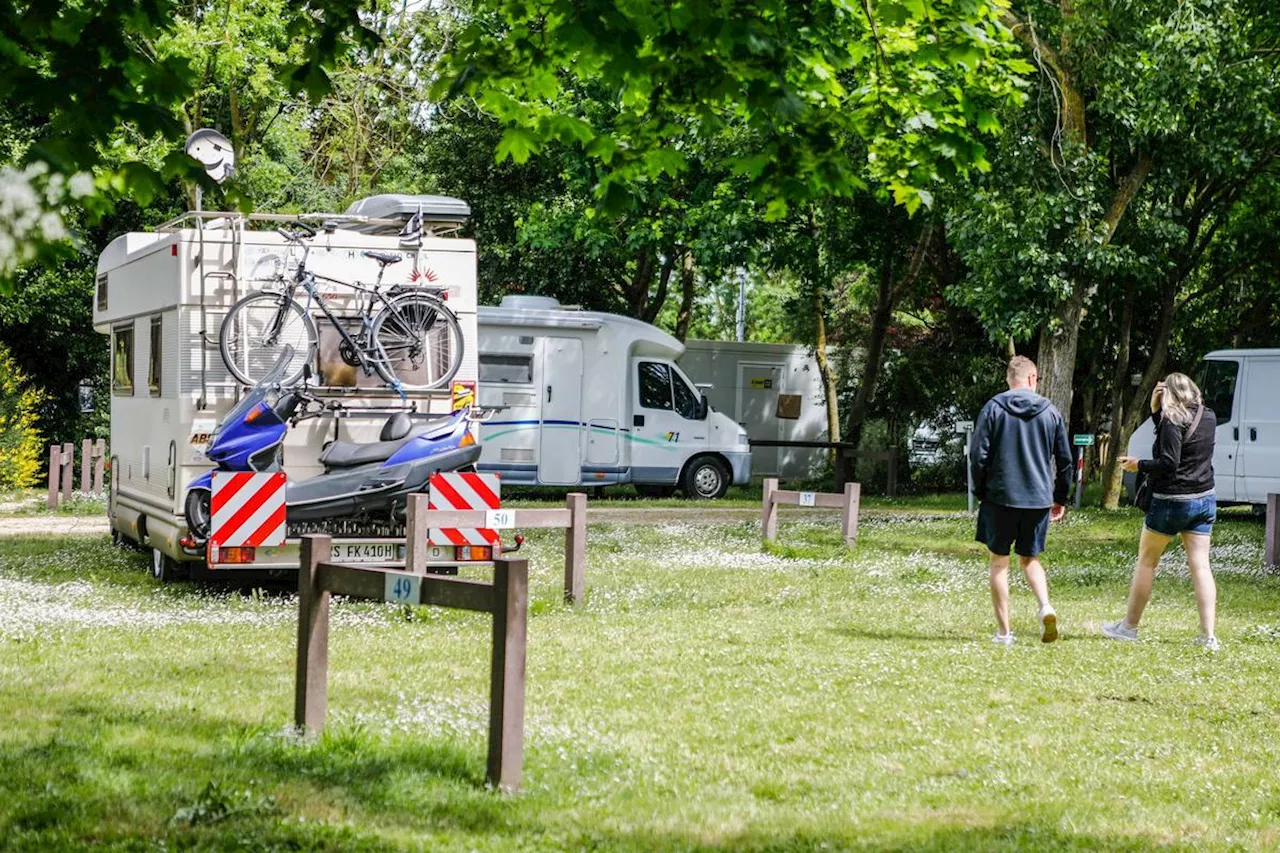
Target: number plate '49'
x=402 y=589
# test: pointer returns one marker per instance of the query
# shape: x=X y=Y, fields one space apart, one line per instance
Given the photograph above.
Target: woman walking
x=1182 y=502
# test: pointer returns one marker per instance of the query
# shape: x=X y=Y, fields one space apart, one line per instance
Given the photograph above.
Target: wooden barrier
x=62 y=469
x=507 y=598
x=847 y=503
x=573 y=518
x=846 y=455
x=1271 y=553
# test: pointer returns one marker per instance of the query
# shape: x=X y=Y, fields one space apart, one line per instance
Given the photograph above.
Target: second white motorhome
x=589 y=398
x=1240 y=386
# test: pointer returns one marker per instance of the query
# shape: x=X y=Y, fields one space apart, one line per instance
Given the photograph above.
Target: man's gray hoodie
x=1019 y=453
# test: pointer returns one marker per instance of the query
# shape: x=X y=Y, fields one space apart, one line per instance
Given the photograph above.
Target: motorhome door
x=560 y=423
x=1259 y=454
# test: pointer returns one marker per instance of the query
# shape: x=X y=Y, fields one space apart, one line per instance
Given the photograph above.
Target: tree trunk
x=1057 y=357
x=880 y=318
x=1112 y=475
x=829 y=384
x=659 y=299
x=638 y=291
x=684 y=317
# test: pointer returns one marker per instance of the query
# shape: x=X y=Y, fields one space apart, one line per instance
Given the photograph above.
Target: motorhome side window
x=655 y=386
x=511 y=369
x=686 y=400
x=154 y=356
x=1217 y=382
x=122 y=361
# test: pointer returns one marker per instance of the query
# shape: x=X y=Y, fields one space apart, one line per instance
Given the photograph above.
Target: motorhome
x=161 y=297
x=773 y=391
x=1240 y=386
x=589 y=398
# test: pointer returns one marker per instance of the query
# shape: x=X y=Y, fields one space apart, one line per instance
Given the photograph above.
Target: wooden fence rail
x=847 y=503
x=507 y=599
x=62 y=469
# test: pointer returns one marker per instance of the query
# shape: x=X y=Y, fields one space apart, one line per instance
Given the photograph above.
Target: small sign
x=499 y=519
x=1083 y=440
x=759 y=382
x=808 y=499
x=964 y=426
x=464 y=395
x=402 y=589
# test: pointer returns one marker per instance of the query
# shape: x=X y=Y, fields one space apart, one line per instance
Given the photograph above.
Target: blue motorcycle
x=363 y=481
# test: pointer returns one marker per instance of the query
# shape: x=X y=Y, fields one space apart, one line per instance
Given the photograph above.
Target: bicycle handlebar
x=302 y=231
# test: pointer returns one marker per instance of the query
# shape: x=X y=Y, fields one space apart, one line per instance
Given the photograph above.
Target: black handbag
x=1142 y=491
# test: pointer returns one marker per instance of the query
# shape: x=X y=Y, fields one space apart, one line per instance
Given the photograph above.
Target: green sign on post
x=1083 y=440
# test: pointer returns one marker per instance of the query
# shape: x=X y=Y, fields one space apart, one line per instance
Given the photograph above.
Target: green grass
x=709 y=696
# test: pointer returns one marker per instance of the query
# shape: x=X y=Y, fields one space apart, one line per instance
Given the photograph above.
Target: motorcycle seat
x=347 y=454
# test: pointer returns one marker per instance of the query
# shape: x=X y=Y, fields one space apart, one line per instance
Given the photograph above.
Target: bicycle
x=413 y=342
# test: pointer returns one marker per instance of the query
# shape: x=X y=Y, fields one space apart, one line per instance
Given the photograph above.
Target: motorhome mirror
x=704 y=406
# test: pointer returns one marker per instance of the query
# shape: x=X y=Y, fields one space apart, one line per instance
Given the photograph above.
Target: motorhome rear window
x=513 y=369
x=122 y=361
x=1217 y=382
x=655 y=386
x=154 y=356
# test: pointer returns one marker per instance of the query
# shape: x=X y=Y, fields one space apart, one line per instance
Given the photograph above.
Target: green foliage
x=918 y=83
x=21 y=446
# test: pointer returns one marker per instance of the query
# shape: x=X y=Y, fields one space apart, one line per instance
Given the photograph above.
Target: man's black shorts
x=1002 y=526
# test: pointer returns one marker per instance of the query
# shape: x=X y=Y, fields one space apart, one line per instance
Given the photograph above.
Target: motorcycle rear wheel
x=198 y=513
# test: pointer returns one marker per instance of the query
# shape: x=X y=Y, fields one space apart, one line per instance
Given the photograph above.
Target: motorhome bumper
x=741 y=465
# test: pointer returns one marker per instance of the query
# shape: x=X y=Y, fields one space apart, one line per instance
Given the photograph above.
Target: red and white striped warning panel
x=464 y=491
x=248 y=509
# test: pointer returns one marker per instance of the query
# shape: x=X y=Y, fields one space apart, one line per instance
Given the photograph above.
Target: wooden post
x=99 y=462
x=575 y=549
x=1271 y=555
x=68 y=469
x=849 y=514
x=86 y=453
x=416 y=533
x=769 y=512
x=55 y=474
x=506 y=699
x=310 y=696
x=842 y=477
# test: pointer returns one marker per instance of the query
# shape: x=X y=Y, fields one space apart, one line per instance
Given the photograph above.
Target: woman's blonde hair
x=1180 y=394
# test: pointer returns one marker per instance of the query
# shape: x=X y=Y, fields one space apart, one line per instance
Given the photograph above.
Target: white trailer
x=773 y=391
x=161 y=297
x=1240 y=386
x=589 y=398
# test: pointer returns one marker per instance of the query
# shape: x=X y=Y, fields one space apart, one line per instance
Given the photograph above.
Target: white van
x=161 y=297
x=589 y=398
x=1242 y=387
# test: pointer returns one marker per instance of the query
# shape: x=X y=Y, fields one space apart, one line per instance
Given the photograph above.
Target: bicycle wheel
x=418 y=342
x=258 y=328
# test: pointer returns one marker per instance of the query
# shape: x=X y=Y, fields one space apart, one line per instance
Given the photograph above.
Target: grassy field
x=708 y=697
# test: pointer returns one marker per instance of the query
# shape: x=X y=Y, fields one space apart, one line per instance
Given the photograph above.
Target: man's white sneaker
x=1208 y=643
x=1048 y=624
x=1119 y=631
x=1003 y=639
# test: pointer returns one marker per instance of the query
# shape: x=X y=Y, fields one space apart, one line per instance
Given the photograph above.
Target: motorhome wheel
x=706 y=478
x=163 y=567
x=197 y=508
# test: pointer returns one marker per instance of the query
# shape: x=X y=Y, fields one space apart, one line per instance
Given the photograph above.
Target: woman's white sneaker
x=1048 y=624
x=1119 y=631
x=1003 y=639
x=1210 y=644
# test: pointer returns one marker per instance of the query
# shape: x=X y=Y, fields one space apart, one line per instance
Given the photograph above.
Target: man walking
x=1021 y=464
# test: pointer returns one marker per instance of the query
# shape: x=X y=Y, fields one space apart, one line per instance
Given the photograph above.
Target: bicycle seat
x=384 y=258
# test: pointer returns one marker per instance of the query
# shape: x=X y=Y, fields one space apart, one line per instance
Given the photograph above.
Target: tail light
x=473 y=553
x=236 y=554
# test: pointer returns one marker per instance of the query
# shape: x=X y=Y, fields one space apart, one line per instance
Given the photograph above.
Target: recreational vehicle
x=1240 y=386
x=161 y=297
x=589 y=398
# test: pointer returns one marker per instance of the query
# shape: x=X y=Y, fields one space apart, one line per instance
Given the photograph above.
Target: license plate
x=367 y=552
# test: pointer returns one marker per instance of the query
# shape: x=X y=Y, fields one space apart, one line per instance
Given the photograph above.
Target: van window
x=513 y=369
x=122 y=361
x=686 y=400
x=154 y=355
x=655 y=386
x=1217 y=381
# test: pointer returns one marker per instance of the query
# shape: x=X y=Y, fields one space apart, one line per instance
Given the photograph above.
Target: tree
x=20 y=444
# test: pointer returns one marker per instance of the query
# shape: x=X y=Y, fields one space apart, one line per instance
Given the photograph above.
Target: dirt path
x=54 y=525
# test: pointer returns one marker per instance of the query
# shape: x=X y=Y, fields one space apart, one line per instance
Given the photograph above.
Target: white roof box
x=437 y=211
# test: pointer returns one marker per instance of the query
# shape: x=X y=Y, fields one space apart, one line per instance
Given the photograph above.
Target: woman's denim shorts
x=1171 y=516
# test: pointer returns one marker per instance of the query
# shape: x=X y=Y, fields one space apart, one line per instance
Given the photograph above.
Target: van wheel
x=649 y=490
x=706 y=478
x=163 y=567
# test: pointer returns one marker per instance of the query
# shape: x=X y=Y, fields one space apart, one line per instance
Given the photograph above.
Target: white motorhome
x=589 y=398
x=1242 y=387
x=773 y=391
x=161 y=297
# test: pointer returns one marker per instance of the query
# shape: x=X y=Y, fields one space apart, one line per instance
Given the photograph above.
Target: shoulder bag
x=1142 y=493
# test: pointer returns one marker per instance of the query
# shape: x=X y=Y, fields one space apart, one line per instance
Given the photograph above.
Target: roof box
x=439 y=212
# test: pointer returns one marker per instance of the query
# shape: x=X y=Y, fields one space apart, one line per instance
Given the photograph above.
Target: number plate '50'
x=499 y=519
x=402 y=589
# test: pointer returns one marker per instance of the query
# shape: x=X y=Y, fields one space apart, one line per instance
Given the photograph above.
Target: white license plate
x=367 y=552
